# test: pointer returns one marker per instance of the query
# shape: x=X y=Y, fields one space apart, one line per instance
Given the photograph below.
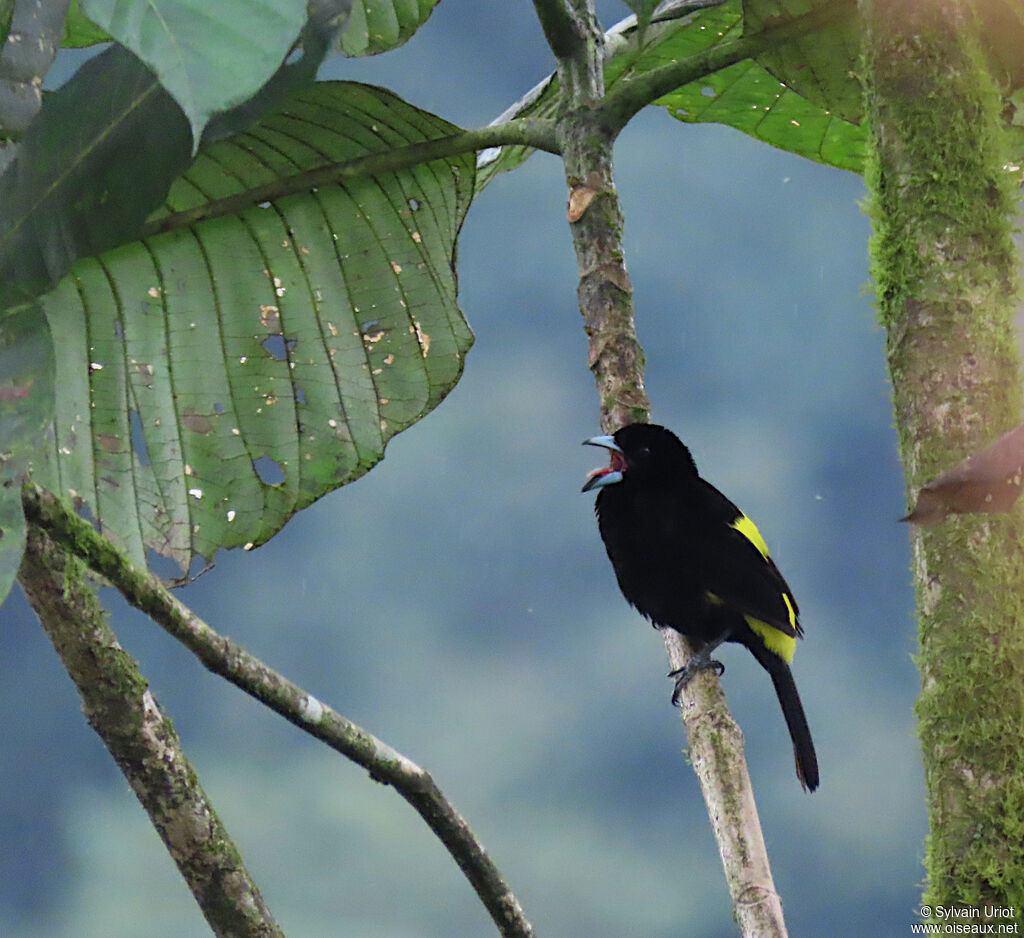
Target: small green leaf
x=379 y=25
x=6 y=10
x=79 y=30
x=12 y=534
x=643 y=10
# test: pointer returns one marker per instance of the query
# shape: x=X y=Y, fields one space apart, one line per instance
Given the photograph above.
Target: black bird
x=687 y=558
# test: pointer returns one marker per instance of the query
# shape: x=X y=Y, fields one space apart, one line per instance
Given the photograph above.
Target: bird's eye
x=643 y=452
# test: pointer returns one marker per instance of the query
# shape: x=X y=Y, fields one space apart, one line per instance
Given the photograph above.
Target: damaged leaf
x=986 y=481
x=250 y=354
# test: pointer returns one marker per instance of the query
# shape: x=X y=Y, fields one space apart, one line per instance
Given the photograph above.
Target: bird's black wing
x=737 y=568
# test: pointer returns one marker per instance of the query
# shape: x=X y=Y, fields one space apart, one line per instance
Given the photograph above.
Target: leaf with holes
x=224 y=372
x=749 y=98
x=798 y=117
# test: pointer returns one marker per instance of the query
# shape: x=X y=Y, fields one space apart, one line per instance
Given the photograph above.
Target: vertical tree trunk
x=944 y=269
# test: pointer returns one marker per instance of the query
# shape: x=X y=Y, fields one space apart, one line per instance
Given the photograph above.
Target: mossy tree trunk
x=942 y=205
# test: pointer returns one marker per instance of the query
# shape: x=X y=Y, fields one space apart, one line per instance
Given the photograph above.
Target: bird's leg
x=701 y=660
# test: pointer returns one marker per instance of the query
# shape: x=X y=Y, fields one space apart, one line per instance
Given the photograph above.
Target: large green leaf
x=209 y=56
x=101 y=154
x=823 y=67
x=801 y=94
x=26 y=408
x=747 y=97
x=379 y=25
x=217 y=377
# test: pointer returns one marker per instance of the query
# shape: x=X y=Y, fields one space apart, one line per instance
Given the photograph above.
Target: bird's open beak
x=605 y=475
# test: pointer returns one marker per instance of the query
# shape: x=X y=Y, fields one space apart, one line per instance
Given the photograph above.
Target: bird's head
x=640 y=452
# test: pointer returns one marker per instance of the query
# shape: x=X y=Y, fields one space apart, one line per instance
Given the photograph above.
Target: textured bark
x=119 y=706
x=605 y=293
x=944 y=269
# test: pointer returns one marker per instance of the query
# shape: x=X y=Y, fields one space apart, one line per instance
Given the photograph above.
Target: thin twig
x=227 y=658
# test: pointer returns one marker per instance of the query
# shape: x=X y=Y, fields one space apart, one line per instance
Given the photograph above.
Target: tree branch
x=561 y=29
x=230 y=660
x=119 y=706
x=617 y=361
x=532 y=132
x=715 y=743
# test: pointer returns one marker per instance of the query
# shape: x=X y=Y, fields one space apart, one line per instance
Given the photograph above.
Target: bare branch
x=230 y=660
x=716 y=751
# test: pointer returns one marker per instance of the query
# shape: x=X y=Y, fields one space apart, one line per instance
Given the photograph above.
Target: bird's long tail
x=793 y=711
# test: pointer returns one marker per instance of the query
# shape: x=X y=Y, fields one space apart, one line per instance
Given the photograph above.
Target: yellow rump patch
x=782 y=644
x=748 y=529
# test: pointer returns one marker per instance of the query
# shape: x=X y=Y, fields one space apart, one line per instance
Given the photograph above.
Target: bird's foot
x=699 y=662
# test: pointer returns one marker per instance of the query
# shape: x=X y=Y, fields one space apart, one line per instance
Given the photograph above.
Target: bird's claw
x=684 y=675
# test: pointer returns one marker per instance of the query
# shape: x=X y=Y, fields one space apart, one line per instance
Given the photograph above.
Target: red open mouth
x=616 y=463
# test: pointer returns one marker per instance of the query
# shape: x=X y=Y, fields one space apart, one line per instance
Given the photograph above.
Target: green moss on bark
x=944 y=266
